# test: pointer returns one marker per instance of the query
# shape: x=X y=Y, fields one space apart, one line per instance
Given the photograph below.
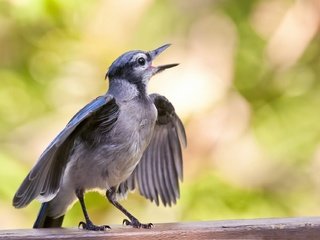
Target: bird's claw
x=136 y=224
x=91 y=227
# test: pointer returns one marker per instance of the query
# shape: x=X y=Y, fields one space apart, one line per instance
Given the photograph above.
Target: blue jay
x=123 y=140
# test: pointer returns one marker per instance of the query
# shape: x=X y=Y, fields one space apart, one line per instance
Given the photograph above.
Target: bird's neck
x=124 y=90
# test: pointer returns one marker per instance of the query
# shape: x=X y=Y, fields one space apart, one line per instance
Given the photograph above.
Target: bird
x=124 y=140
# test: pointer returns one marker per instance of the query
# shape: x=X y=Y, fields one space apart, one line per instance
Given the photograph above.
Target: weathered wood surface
x=307 y=228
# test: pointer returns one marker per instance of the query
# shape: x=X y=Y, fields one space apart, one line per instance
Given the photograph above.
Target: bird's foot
x=136 y=224
x=91 y=227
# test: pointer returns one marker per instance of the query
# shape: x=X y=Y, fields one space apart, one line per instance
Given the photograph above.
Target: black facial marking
x=148 y=57
x=125 y=68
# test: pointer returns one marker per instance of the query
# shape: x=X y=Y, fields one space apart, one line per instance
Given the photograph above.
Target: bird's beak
x=155 y=53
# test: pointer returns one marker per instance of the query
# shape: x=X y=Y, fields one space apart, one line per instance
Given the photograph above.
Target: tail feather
x=44 y=221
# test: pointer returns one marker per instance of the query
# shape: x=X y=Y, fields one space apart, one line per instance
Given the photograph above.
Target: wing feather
x=44 y=179
x=158 y=173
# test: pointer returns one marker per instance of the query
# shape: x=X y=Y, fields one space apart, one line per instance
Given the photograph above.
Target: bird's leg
x=132 y=220
x=88 y=225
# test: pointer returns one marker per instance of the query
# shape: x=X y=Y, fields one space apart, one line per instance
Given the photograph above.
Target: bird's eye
x=141 y=61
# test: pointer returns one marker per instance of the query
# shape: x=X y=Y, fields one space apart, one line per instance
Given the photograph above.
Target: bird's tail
x=44 y=221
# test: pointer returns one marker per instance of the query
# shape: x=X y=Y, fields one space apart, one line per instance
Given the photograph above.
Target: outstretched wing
x=158 y=173
x=44 y=179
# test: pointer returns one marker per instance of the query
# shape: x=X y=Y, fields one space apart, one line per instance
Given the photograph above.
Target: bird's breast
x=115 y=154
x=137 y=115
x=143 y=120
x=132 y=135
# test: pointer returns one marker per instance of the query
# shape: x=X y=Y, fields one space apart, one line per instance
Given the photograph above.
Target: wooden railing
x=307 y=228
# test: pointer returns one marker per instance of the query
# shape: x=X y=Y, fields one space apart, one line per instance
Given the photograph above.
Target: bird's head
x=136 y=66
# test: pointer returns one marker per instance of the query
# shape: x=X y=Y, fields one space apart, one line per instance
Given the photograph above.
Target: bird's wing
x=158 y=173
x=44 y=179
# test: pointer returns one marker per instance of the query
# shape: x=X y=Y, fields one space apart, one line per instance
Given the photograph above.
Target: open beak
x=155 y=53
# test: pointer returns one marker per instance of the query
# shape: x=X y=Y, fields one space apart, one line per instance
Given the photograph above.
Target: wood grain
x=307 y=228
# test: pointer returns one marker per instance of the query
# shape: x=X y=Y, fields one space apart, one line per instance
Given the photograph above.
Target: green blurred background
x=247 y=90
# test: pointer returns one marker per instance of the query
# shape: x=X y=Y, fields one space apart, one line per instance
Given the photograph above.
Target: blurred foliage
x=54 y=54
x=230 y=200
